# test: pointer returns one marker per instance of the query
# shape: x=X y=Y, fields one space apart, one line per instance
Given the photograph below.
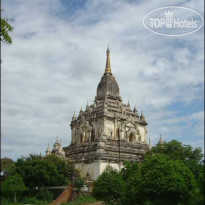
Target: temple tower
x=108 y=131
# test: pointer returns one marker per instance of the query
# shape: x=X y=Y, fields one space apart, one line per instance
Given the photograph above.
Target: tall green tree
x=166 y=176
x=38 y=171
x=7 y=166
x=131 y=174
x=165 y=180
x=109 y=187
x=177 y=151
x=13 y=186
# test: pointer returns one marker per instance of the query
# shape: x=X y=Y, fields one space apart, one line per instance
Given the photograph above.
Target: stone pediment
x=132 y=130
x=85 y=125
x=129 y=124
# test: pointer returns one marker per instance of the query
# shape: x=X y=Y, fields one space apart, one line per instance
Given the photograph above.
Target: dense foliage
x=7 y=167
x=172 y=173
x=78 y=183
x=177 y=151
x=166 y=180
x=13 y=186
x=86 y=200
x=38 y=171
x=110 y=186
x=35 y=173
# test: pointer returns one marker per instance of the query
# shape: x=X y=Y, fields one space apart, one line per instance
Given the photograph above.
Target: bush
x=166 y=181
x=132 y=177
x=45 y=195
x=38 y=171
x=109 y=186
x=78 y=183
x=13 y=186
x=82 y=200
x=33 y=200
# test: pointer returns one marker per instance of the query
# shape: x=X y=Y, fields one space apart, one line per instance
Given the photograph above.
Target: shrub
x=82 y=200
x=38 y=171
x=109 y=186
x=45 y=195
x=13 y=186
x=78 y=183
x=32 y=200
x=166 y=180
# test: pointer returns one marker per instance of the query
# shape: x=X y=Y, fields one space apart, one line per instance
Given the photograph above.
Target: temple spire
x=161 y=140
x=108 y=66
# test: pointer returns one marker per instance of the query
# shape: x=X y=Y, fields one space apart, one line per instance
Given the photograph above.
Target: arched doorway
x=81 y=138
x=118 y=133
x=92 y=135
x=131 y=137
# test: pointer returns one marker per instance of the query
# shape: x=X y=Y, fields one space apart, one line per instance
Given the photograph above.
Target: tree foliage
x=7 y=166
x=131 y=174
x=171 y=173
x=6 y=29
x=177 y=151
x=109 y=187
x=13 y=185
x=200 y=181
x=38 y=171
x=166 y=180
x=78 y=183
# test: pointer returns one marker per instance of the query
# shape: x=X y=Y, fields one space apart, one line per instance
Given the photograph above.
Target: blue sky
x=58 y=57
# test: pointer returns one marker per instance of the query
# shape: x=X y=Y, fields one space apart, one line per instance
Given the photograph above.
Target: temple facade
x=108 y=132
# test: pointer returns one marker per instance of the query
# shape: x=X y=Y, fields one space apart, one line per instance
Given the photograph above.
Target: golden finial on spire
x=108 y=66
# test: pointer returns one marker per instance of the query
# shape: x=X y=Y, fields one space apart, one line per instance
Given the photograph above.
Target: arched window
x=81 y=138
x=92 y=135
x=118 y=133
x=131 y=137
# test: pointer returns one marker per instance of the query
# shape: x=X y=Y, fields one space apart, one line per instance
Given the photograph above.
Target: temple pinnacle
x=108 y=66
x=161 y=140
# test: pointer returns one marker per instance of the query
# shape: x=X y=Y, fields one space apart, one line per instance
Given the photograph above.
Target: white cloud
x=57 y=59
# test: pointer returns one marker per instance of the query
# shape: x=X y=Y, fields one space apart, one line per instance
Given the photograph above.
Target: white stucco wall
x=109 y=127
x=143 y=133
x=95 y=168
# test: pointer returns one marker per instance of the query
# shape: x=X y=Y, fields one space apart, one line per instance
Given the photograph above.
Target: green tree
x=177 y=151
x=13 y=186
x=109 y=186
x=200 y=180
x=131 y=174
x=7 y=166
x=165 y=180
x=38 y=171
x=78 y=183
x=64 y=167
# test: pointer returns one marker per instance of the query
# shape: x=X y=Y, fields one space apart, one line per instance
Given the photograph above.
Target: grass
x=84 y=200
x=5 y=201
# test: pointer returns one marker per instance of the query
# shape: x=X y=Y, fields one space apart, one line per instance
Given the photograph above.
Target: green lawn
x=82 y=201
x=86 y=200
x=7 y=202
